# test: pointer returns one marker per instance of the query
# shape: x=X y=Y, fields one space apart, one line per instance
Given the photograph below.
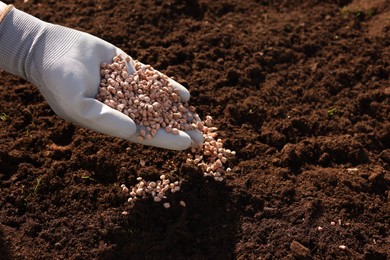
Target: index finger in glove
x=104 y=119
x=184 y=93
x=128 y=59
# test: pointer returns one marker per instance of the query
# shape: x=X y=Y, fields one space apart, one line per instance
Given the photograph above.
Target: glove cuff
x=28 y=45
x=5 y=12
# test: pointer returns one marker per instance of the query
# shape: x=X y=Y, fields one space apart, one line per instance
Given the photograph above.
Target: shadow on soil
x=205 y=228
x=4 y=254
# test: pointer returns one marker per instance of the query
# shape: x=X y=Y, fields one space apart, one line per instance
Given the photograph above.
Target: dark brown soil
x=300 y=89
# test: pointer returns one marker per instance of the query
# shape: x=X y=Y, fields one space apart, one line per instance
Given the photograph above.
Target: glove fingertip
x=184 y=93
x=162 y=139
x=196 y=137
x=185 y=142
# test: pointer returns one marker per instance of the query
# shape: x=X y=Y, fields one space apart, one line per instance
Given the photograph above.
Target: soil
x=299 y=89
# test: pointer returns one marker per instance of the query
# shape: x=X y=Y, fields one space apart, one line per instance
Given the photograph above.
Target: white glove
x=2 y=7
x=65 y=65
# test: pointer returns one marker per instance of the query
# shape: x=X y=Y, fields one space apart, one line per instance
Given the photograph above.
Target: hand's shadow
x=204 y=229
x=4 y=252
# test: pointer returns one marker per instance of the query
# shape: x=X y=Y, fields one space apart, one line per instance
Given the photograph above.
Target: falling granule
x=166 y=205
x=142 y=163
x=182 y=203
x=211 y=156
x=124 y=188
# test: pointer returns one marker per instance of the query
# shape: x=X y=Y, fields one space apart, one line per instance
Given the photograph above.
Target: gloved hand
x=65 y=65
